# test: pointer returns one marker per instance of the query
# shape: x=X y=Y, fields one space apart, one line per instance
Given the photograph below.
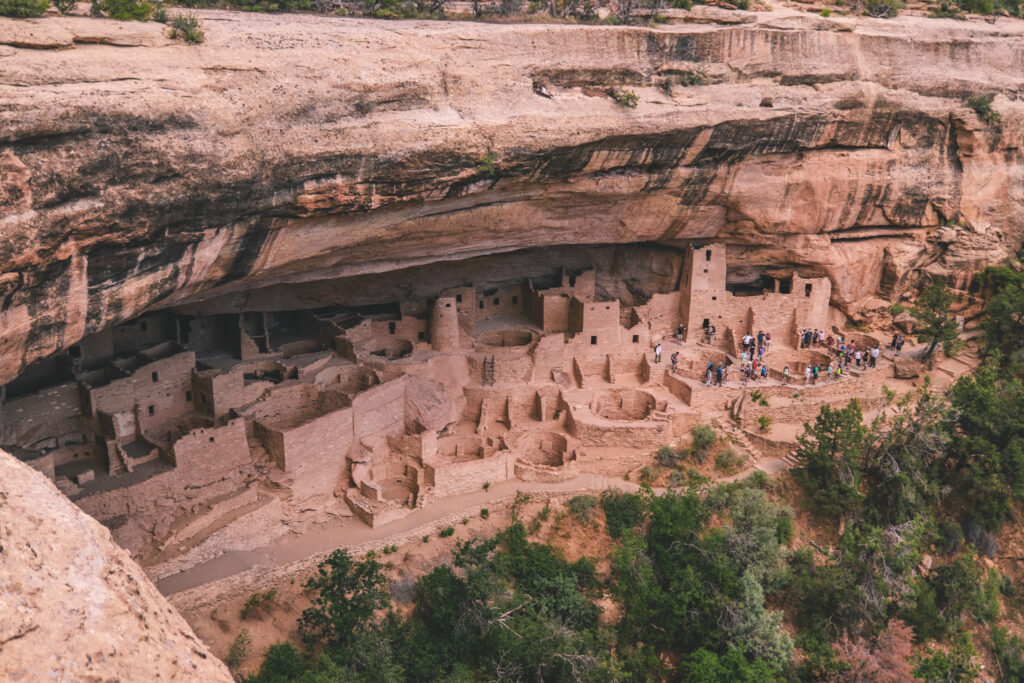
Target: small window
x=807 y=290
x=211 y=439
x=707 y=256
x=152 y=410
x=458 y=298
x=391 y=328
x=515 y=299
x=705 y=323
x=714 y=298
x=593 y=340
x=636 y=338
x=421 y=336
x=481 y=304
x=156 y=377
x=447 y=305
x=142 y=326
x=188 y=396
x=497 y=301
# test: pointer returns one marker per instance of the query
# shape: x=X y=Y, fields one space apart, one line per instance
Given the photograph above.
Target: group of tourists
x=753 y=366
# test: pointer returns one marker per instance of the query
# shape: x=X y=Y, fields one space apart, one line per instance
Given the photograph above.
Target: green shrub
x=666 y=457
x=883 y=9
x=122 y=10
x=239 y=649
x=160 y=14
x=648 y=474
x=484 y=513
x=982 y=106
x=487 y=485
x=488 y=165
x=257 y=603
x=764 y=422
x=446 y=532
x=728 y=460
x=582 y=507
x=784 y=531
x=22 y=9
x=826 y=12
x=389 y=549
x=1008 y=650
x=65 y=6
x=704 y=437
x=622 y=511
x=627 y=98
x=465 y=520
x=426 y=538
x=186 y=27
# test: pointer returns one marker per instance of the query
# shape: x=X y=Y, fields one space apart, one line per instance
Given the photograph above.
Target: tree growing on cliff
x=348 y=592
x=938 y=325
x=829 y=453
x=1004 y=320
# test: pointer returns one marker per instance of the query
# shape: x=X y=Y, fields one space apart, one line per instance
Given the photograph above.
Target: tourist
x=709 y=374
x=874 y=355
x=807 y=375
x=767 y=340
x=760 y=352
x=711 y=334
x=718 y=375
x=830 y=370
x=814 y=373
x=899 y=345
x=830 y=342
x=892 y=344
x=747 y=339
x=657 y=353
x=785 y=375
x=846 y=359
x=839 y=371
x=842 y=350
x=857 y=356
x=679 y=333
x=821 y=337
x=675 y=360
x=744 y=358
x=725 y=371
x=764 y=372
x=760 y=338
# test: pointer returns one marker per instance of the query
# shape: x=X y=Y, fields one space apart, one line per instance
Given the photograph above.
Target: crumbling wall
x=29 y=418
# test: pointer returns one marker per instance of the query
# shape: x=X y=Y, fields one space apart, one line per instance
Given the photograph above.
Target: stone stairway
x=738 y=438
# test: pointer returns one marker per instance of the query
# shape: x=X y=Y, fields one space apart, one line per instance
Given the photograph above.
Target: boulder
x=905 y=322
x=906 y=368
x=74 y=605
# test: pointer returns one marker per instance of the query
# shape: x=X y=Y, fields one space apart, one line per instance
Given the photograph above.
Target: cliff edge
x=73 y=605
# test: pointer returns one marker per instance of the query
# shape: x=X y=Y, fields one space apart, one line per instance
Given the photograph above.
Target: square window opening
x=636 y=338
x=152 y=410
x=593 y=340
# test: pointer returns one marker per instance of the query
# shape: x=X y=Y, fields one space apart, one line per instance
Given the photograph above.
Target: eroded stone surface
x=298 y=149
x=74 y=606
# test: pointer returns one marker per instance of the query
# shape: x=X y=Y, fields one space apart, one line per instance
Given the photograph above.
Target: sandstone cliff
x=73 y=605
x=136 y=172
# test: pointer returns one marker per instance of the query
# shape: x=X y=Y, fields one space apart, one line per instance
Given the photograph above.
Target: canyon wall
x=137 y=172
x=74 y=605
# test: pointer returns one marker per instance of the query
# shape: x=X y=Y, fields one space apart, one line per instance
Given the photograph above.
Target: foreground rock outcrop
x=73 y=605
x=136 y=172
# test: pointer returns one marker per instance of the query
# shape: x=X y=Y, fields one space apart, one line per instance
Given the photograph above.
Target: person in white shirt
x=657 y=353
x=807 y=375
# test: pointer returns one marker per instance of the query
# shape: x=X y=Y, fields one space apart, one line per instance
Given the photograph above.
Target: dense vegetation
x=703 y=578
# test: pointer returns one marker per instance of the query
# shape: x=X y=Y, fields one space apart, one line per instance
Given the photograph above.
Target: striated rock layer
x=73 y=605
x=137 y=172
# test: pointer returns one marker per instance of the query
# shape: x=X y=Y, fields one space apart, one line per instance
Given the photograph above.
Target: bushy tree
x=829 y=452
x=122 y=10
x=938 y=325
x=1004 y=315
x=23 y=9
x=347 y=593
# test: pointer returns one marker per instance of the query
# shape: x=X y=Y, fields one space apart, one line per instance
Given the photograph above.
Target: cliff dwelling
x=191 y=420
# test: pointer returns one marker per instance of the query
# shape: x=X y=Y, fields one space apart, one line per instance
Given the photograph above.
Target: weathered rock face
x=138 y=173
x=74 y=605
